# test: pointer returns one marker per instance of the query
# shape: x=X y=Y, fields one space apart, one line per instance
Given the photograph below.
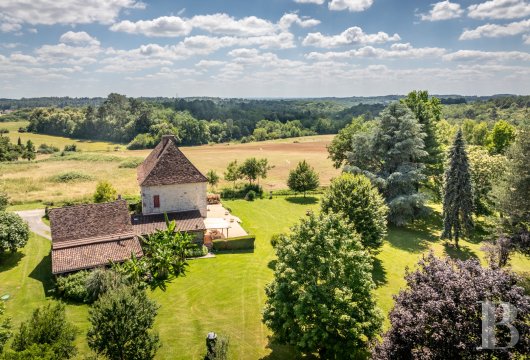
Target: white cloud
x=78 y=38
x=22 y=58
x=288 y=20
x=495 y=31
x=443 y=10
x=318 y=2
x=67 y=54
x=353 y=35
x=10 y=45
x=397 y=51
x=228 y=25
x=219 y=24
x=209 y=63
x=14 y=13
x=500 y=9
x=163 y=26
x=350 y=5
x=478 y=55
x=526 y=39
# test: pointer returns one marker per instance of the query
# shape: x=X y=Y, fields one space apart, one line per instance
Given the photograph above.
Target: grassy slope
x=226 y=294
x=59 y=141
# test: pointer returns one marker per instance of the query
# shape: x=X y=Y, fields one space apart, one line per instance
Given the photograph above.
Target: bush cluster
x=242 y=192
x=196 y=251
x=86 y=286
x=71 y=176
x=47 y=149
x=131 y=163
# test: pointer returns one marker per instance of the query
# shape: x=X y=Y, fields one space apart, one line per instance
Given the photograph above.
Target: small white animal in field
x=287 y=162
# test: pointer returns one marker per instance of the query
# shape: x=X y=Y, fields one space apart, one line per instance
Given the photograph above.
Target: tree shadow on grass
x=378 y=273
x=43 y=273
x=10 y=260
x=272 y=264
x=463 y=253
x=280 y=352
x=309 y=200
x=416 y=237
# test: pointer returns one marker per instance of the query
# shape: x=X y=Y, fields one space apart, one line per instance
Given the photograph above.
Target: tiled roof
x=90 y=220
x=185 y=221
x=167 y=165
x=91 y=235
x=88 y=256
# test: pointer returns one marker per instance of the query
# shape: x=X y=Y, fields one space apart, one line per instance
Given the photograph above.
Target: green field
x=226 y=294
x=29 y=184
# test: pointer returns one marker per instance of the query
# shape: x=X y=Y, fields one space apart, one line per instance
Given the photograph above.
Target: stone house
x=91 y=235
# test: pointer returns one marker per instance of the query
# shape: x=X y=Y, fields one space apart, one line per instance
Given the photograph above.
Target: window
x=156 y=201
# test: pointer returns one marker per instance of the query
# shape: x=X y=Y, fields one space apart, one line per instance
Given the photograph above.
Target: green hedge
x=236 y=243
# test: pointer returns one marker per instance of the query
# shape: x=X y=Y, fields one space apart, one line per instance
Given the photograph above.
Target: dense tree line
x=142 y=122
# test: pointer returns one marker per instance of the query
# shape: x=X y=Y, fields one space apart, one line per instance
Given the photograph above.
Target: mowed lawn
x=226 y=294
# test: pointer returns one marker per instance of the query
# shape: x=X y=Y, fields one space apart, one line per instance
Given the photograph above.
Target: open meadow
x=226 y=294
x=37 y=181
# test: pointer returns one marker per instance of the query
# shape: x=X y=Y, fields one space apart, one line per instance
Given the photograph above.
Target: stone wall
x=177 y=197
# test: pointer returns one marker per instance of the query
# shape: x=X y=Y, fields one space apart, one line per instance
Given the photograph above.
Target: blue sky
x=263 y=48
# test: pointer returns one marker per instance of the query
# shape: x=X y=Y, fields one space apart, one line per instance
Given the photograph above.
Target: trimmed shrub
x=131 y=163
x=196 y=251
x=236 y=243
x=250 y=196
x=241 y=192
x=72 y=287
x=71 y=176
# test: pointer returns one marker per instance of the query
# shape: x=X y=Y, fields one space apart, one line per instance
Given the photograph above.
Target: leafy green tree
x=164 y=257
x=5 y=327
x=321 y=297
x=8 y=151
x=486 y=171
x=428 y=111
x=14 y=232
x=501 y=137
x=121 y=323
x=302 y=179
x=458 y=193
x=342 y=142
x=391 y=157
x=513 y=189
x=361 y=204
x=29 y=152
x=232 y=172
x=105 y=192
x=48 y=329
x=4 y=201
x=253 y=169
x=213 y=178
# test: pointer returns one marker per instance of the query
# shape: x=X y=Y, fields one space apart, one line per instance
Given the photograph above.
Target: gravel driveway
x=34 y=220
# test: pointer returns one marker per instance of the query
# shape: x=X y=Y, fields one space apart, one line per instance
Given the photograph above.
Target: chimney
x=166 y=138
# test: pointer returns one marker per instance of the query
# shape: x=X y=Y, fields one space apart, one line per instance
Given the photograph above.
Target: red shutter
x=156 y=201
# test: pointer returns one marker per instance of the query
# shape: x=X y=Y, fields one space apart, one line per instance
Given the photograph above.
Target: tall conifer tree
x=458 y=194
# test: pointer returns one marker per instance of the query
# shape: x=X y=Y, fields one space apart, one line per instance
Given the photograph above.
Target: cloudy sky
x=263 y=48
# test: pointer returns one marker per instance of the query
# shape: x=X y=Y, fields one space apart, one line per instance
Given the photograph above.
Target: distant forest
x=141 y=122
